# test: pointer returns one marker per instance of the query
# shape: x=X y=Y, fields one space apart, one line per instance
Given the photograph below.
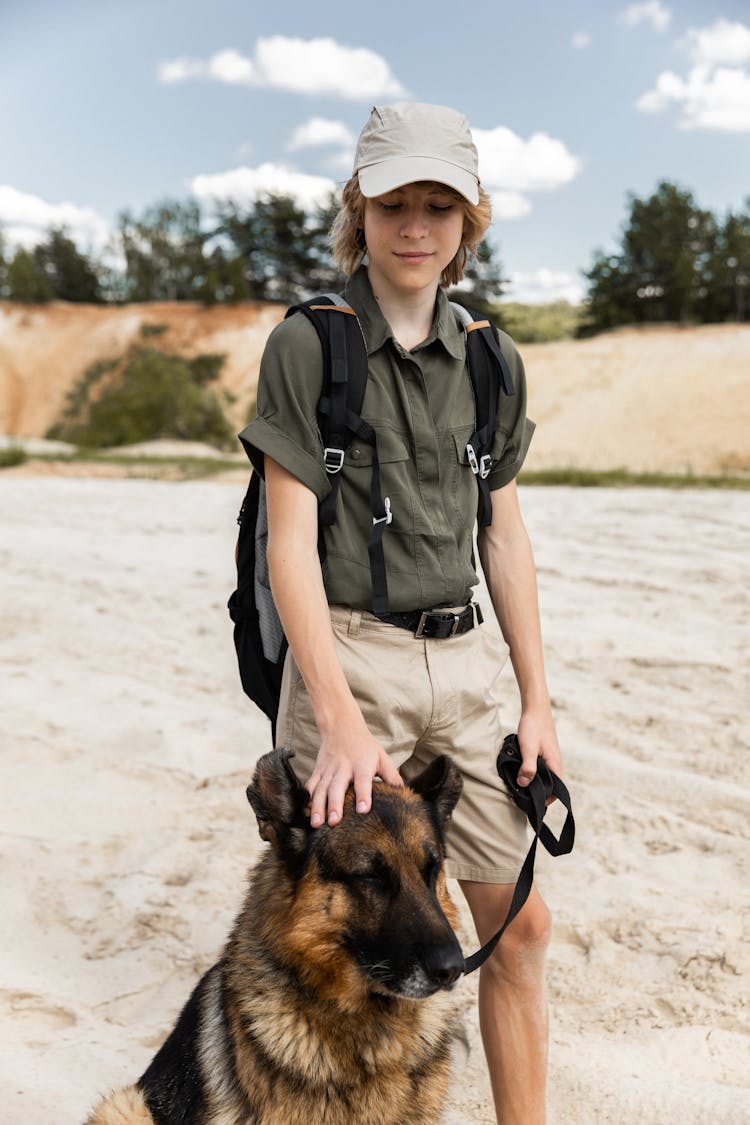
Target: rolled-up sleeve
x=289 y=388
x=515 y=430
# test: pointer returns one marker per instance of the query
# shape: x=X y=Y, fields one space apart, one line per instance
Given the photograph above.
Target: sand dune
x=658 y=399
x=127 y=747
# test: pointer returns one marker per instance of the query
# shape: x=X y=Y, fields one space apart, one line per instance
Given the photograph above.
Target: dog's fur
x=330 y=1001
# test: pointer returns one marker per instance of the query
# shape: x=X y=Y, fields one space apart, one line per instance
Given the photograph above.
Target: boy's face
x=412 y=234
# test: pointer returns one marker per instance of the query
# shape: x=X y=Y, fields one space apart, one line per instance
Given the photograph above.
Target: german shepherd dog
x=329 y=1005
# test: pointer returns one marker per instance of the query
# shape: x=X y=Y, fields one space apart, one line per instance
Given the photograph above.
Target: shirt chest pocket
x=462 y=481
x=460 y=441
x=392 y=448
x=397 y=474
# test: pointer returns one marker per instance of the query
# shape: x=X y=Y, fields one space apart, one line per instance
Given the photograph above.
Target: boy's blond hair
x=348 y=233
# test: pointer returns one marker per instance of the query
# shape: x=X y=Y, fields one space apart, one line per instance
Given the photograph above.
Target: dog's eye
x=431 y=869
x=378 y=877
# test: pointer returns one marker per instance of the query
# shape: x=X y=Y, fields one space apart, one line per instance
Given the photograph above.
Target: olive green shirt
x=421 y=405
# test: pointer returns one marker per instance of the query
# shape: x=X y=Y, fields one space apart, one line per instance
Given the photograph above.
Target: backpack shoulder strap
x=488 y=371
x=339 y=418
x=344 y=383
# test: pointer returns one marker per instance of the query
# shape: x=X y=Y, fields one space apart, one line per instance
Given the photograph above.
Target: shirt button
x=356 y=454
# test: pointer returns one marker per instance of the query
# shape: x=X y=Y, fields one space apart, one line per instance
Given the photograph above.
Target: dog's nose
x=443 y=964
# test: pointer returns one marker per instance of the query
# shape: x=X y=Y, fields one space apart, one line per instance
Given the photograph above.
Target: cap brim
x=377 y=179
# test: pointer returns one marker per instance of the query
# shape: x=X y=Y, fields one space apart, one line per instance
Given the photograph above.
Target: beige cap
x=411 y=141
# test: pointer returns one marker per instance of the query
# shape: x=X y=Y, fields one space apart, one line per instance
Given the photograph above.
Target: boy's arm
x=348 y=752
x=508 y=565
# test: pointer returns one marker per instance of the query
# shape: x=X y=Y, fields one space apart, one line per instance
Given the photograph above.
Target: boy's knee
x=521 y=952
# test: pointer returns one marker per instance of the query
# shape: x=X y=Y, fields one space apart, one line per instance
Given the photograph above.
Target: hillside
x=654 y=399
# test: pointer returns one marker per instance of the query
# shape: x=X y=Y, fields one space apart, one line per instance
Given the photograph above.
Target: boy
x=364 y=694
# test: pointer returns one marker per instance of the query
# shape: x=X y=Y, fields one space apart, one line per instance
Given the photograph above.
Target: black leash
x=532 y=799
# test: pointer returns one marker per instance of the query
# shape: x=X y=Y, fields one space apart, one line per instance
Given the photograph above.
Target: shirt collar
x=445 y=329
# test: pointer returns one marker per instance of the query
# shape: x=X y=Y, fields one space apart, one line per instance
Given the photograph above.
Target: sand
x=127 y=746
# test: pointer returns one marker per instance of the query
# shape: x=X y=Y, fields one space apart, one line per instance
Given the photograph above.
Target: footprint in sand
x=34 y=1013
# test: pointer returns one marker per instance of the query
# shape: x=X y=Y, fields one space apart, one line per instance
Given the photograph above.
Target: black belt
x=436 y=624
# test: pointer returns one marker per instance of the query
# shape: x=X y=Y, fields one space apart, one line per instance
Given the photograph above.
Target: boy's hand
x=538 y=739
x=344 y=758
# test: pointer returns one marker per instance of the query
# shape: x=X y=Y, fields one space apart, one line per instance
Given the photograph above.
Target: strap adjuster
x=481 y=467
x=472 y=458
x=388 y=517
x=333 y=459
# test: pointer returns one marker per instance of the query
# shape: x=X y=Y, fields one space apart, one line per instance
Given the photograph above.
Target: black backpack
x=258 y=633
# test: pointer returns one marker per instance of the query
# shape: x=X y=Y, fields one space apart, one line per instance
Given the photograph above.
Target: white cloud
x=245 y=185
x=581 y=40
x=544 y=285
x=306 y=66
x=509 y=205
x=722 y=42
x=25 y=220
x=321 y=131
x=716 y=92
x=342 y=162
x=652 y=12
x=508 y=162
x=718 y=99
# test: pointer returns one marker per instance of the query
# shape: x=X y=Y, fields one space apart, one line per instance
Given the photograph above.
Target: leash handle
x=532 y=799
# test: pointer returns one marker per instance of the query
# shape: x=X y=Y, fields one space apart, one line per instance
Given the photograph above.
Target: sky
x=108 y=106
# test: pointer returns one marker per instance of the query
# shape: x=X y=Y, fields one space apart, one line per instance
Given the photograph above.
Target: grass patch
x=196 y=468
x=623 y=478
x=151 y=330
x=150 y=468
x=12 y=456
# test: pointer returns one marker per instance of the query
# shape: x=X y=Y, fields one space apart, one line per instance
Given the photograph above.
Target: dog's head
x=369 y=908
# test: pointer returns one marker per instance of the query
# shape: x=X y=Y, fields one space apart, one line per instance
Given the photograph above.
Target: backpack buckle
x=388 y=517
x=474 y=464
x=480 y=468
x=333 y=459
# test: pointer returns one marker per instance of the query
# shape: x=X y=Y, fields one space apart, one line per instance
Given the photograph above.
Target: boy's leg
x=512 y=1000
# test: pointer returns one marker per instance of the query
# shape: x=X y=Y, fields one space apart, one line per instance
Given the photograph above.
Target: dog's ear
x=440 y=783
x=279 y=801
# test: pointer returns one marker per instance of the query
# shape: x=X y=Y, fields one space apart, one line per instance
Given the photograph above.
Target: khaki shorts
x=421 y=698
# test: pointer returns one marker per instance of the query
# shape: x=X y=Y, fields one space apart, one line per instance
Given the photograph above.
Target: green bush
x=12 y=455
x=206 y=368
x=539 y=324
x=148 y=395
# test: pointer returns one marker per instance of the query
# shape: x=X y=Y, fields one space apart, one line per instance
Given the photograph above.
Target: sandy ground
x=127 y=746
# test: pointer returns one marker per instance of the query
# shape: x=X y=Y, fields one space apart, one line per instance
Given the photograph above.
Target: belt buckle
x=427 y=614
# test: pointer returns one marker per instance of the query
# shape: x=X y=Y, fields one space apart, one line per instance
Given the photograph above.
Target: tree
x=659 y=272
x=284 y=249
x=612 y=298
x=164 y=253
x=26 y=280
x=3 y=267
x=727 y=282
x=224 y=279
x=326 y=277
x=70 y=275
